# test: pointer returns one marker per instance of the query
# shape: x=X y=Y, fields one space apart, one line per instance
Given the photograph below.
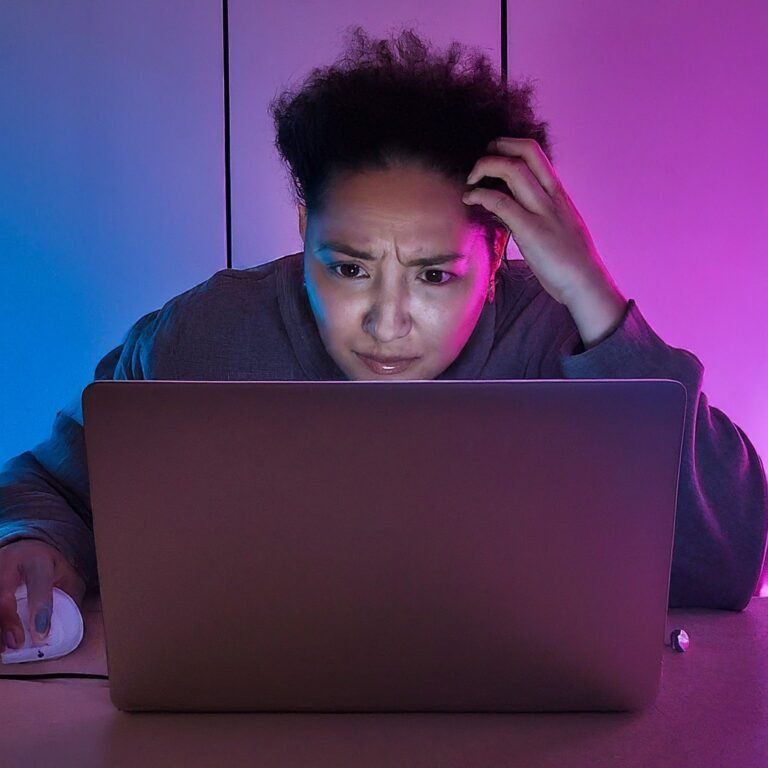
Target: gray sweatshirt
x=256 y=324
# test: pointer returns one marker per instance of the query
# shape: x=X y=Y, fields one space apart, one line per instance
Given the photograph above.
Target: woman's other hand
x=42 y=567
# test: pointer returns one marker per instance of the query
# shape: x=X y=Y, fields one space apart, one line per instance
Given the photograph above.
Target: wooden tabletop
x=712 y=710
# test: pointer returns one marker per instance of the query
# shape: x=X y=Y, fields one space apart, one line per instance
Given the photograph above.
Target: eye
x=437 y=276
x=352 y=271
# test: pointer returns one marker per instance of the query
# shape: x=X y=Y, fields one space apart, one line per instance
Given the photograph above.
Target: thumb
x=39 y=578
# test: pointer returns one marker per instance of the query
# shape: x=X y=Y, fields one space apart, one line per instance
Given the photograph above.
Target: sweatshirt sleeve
x=722 y=504
x=44 y=491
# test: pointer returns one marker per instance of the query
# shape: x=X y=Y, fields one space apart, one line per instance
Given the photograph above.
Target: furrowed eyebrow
x=425 y=261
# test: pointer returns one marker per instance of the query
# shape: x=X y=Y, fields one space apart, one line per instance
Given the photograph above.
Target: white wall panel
x=274 y=45
x=111 y=185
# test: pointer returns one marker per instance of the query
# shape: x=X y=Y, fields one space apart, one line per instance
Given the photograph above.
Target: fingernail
x=42 y=621
x=10 y=640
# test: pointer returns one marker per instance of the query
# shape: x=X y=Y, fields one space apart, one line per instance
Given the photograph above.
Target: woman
x=411 y=169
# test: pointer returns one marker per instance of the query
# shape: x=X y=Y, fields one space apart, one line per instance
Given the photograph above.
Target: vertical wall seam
x=227 y=163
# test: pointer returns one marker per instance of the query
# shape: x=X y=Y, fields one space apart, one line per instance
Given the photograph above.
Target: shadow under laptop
x=363 y=739
x=696 y=707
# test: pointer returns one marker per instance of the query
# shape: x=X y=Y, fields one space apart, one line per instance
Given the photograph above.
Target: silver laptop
x=404 y=546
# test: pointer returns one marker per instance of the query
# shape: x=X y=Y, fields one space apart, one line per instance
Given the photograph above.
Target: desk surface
x=712 y=710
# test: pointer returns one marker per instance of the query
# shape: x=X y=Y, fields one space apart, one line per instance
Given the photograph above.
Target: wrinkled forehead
x=415 y=208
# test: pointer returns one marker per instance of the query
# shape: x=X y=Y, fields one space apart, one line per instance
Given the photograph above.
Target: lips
x=385 y=366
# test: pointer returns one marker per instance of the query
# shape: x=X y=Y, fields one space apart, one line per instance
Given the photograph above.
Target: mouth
x=387 y=365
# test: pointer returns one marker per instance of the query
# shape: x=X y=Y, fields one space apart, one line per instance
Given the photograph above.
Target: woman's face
x=396 y=274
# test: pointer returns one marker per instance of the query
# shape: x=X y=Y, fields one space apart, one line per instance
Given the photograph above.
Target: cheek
x=336 y=316
x=450 y=323
x=328 y=305
x=342 y=321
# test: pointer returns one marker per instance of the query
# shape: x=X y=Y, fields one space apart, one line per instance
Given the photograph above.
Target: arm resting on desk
x=44 y=492
x=722 y=504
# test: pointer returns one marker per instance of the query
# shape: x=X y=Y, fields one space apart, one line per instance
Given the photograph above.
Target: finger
x=518 y=177
x=510 y=212
x=530 y=150
x=39 y=577
x=11 y=630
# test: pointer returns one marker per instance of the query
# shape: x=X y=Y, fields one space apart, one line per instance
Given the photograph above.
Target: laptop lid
x=384 y=546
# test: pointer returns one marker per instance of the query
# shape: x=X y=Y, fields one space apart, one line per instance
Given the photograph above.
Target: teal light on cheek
x=316 y=303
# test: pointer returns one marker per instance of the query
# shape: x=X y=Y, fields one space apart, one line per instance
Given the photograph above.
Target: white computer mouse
x=65 y=634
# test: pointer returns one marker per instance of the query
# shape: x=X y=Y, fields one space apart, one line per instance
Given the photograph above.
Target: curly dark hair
x=393 y=100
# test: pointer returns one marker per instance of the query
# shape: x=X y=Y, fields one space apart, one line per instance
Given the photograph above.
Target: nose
x=388 y=318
